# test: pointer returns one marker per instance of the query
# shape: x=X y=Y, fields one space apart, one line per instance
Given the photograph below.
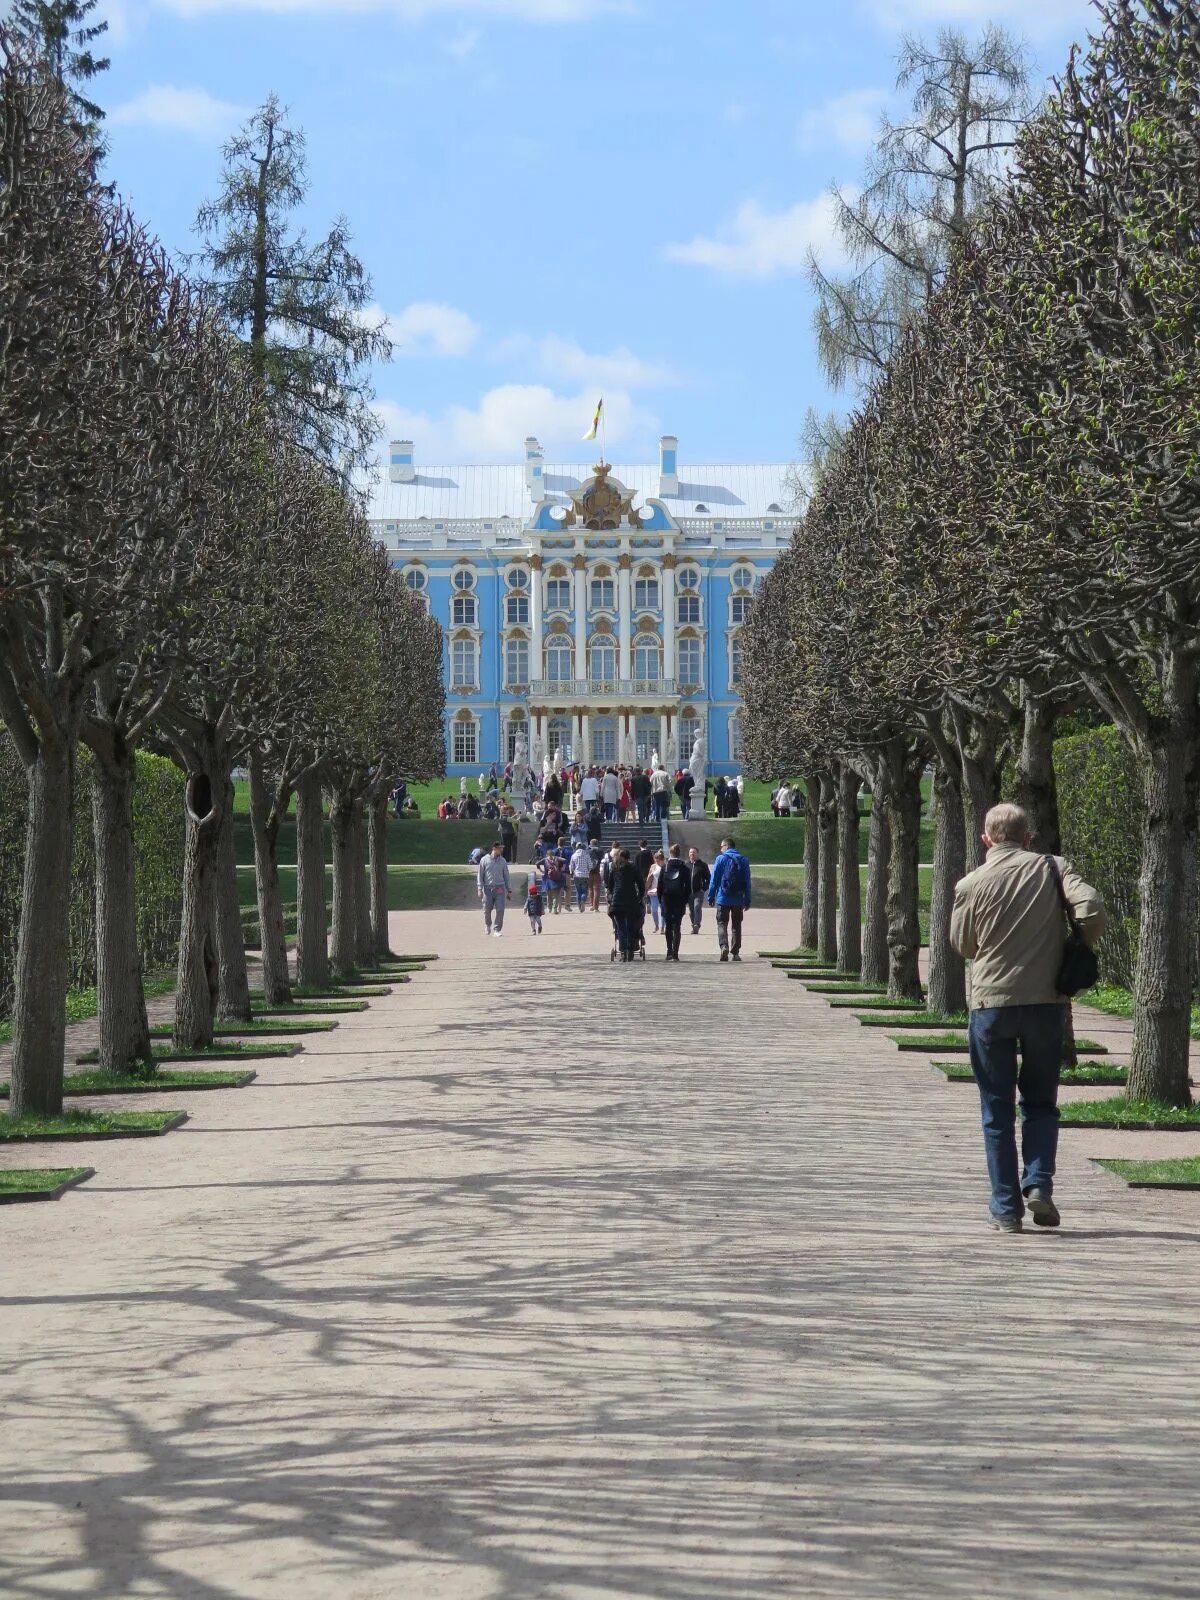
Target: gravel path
x=546 y=1279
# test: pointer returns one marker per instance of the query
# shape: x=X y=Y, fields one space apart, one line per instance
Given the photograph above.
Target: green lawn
x=82 y=1003
x=1121 y=1112
x=39 y=1183
x=1115 y=1002
x=1180 y=1174
x=89 y=1125
x=1094 y=1075
x=143 y=1082
x=227 y=1050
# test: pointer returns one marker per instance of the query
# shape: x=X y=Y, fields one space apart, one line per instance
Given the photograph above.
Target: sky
x=554 y=199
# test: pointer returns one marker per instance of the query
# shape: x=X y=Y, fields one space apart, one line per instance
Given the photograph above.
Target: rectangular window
x=735 y=738
x=558 y=594
x=735 y=662
x=739 y=607
x=645 y=594
x=518 y=609
x=463 y=615
x=687 y=608
x=603 y=595
x=465 y=744
x=604 y=742
x=516 y=663
x=517 y=730
x=689 y=666
x=462 y=662
x=689 y=731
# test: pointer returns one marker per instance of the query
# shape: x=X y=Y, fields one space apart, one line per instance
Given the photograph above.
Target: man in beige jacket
x=1009 y=924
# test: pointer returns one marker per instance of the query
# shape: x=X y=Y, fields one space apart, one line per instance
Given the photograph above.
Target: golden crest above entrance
x=601 y=505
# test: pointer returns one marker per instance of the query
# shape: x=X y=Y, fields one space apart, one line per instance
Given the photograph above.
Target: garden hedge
x=158 y=821
x=1100 y=817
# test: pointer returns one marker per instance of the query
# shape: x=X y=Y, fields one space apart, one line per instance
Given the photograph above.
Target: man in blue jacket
x=729 y=890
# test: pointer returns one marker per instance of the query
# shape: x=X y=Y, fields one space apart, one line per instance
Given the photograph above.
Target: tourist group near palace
x=593 y=613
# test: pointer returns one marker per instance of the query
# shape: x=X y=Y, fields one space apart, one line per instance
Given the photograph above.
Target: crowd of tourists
x=575 y=872
x=623 y=793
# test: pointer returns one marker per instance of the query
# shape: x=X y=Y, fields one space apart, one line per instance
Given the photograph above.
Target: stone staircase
x=629 y=835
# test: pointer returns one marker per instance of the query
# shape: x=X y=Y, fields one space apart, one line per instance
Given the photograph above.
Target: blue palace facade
x=592 y=610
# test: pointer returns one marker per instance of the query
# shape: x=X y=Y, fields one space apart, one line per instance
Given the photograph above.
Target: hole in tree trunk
x=199 y=796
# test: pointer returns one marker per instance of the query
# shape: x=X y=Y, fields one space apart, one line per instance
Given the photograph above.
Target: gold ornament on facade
x=600 y=505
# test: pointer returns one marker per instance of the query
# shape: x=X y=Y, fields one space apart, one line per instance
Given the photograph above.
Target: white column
x=663 y=736
x=624 y=622
x=668 y=600
x=580 y=622
x=585 y=739
x=536 y=665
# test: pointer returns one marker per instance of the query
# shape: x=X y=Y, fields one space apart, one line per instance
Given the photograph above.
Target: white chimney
x=534 y=462
x=668 y=464
x=400 y=453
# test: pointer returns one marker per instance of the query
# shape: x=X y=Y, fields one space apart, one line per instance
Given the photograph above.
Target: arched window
x=464 y=578
x=464 y=669
x=558 y=736
x=464 y=748
x=516 y=662
x=647 y=658
x=689 y=661
x=645 y=593
x=559 y=659
x=602 y=658
x=462 y=611
x=414 y=577
x=735 y=661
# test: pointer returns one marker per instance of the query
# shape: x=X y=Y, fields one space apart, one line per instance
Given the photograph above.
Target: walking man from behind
x=729 y=889
x=674 y=883
x=495 y=888
x=1009 y=923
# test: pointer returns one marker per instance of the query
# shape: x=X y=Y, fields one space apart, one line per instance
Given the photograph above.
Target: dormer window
x=701 y=511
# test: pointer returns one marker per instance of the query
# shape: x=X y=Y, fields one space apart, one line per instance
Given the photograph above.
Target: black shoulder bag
x=1079 y=969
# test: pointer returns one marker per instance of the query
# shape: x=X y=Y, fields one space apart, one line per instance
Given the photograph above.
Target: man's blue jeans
x=995 y=1035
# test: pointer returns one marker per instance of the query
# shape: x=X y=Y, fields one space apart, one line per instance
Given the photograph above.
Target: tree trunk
x=264 y=818
x=904 y=927
x=120 y=991
x=312 y=940
x=1162 y=992
x=43 y=957
x=827 y=870
x=233 y=980
x=812 y=856
x=347 y=876
x=947 y=984
x=1035 y=787
x=378 y=824
x=362 y=900
x=196 y=981
x=981 y=775
x=849 y=929
x=875 y=931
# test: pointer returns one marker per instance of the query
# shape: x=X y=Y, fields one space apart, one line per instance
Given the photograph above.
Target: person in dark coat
x=628 y=905
x=698 y=888
x=644 y=860
x=719 y=792
x=508 y=836
x=674 y=888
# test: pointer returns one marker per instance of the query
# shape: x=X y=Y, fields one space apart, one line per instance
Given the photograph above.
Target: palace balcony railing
x=602 y=688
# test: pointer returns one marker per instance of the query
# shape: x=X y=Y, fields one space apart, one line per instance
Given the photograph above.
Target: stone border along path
x=547 y=1279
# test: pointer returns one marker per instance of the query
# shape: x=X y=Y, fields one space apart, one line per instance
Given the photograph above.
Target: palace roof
x=466 y=493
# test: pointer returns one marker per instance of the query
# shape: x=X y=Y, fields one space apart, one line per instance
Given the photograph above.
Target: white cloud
x=495 y=428
x=565 y=361
x=185 y=110
x=464 y=43
x=849 y=121
x=427 y=328
x=417 y=10
x=758 y=243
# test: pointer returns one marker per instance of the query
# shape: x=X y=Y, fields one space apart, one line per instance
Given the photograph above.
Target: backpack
x=676 y=879
x=735 y=877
